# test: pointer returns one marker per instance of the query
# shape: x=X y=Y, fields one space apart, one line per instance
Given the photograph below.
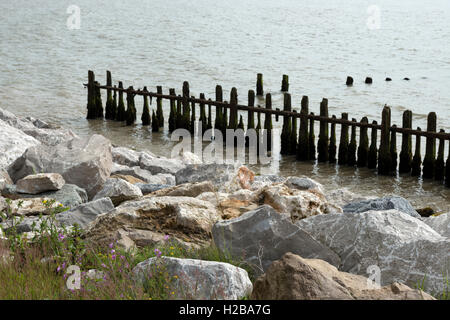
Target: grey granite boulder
x=262 y=236
x=160 y=165
x=404 y=248
x=84 y=162
x=218 y=174
x=198 y=279
x=385 y=203
x=147 y=188
x=440 y=224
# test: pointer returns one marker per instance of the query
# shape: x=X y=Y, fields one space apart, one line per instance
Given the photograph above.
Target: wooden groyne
x=297 y=135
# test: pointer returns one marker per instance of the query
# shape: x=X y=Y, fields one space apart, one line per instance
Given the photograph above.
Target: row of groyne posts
x=297 y=137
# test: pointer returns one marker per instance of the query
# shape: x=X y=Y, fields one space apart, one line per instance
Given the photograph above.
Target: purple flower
x=103 y=265
x=166 y=237
x=158 y=252
x=58 y=269
x=113 y=257
x=111 y=245
x=112 y=251
x=61 y=237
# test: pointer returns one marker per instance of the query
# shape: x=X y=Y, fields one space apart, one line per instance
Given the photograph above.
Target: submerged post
x=159 y=108
x=121 y=113
x=343 y=143
x=203 y=118
x=98 y=101
x=91 y=106
x=293 y=138
x=351 y=157
x=285 y=83
x=440 y=166
x=373 y=150
x=186 y=107
x=109 y=107
x=233 y=109
x=268 y=122
x=287 y=126
x=146 y=121
x=332 y=147
x=384 y=157
x=312 y=137
x=393 y=149
x=173 y=111
x=219 y=115
x=192 y=124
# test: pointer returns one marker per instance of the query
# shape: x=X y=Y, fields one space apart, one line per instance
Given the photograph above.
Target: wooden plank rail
x=298 y=140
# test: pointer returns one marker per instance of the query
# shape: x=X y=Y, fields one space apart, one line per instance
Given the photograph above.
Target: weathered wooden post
x=343 y=142
x=416 y=165
x=312 y=138
x=393 y=149
x=430 y=152
x=285 y=83
x=192 y=123
x=372 y=158
x=258 y=131
x=159 y=108
x=268 y=122
x=293 y=138
x=121 y=113
x=219 y=114
x=250 y=116
x=233 y=109
x=332 y=147
x=384 y=157
x=440 y=166
x=114 y=105
x=447 y=169
x=225 y=119
x=155 y=123
x=303 y=135
x=368 y=80
x=109 y=107
x=259 y=85
x=241 y=123
x=203 y=118
x=322 y=144
x=186 y=107
x=179 y=117
x=363 y=148
x=146 y=121
x=173 y=111
x=351 y=157
x=91 y=105
x=98 y=101
x=406 y=153
x=277 y=116
x=209 y=123
x=287 y=126
x=130 y=113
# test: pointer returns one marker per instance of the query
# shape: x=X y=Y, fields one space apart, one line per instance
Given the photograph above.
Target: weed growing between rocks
x=35 y=265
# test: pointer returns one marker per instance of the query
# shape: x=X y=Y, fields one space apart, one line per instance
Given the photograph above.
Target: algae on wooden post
x=343 y=143
x=430 y=152
x=332 y=147
x=146 y=121
x=372 y=158
x=322 y=144
x=351 y=157
x=406 y=152
x=416 y=166
x=303 y=135
x=363 y=148
x=440 y=166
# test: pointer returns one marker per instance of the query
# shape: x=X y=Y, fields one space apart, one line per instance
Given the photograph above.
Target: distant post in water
x=430 y=153
x=259 y=84
x=349 y=81
x=285 y=83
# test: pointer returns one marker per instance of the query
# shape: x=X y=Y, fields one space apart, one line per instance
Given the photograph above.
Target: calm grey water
x=317 y=43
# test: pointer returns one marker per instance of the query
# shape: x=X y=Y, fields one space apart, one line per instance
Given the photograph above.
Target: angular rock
x=13 y=144
x=118 y=191
x=31 y=207
x=69 y=195
x=186 y=190
x=125 y=156
x=3 y=204
x=84 y=162
x=129 y=179
x=218 y=174
x=303 y=183
x=385 y=203
x=440 y=224
x=313 y=279
x=146 y=176
x=189 y=158
x=4 y=179
x=84 y=214
x=187 y=220
x=198 y=279
x=264 y=180
x=147 y=188
x=262 y=236
x=404 y=248
x=160 y=165
x=294 y=203
x=342 y=196
x=39 y=183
